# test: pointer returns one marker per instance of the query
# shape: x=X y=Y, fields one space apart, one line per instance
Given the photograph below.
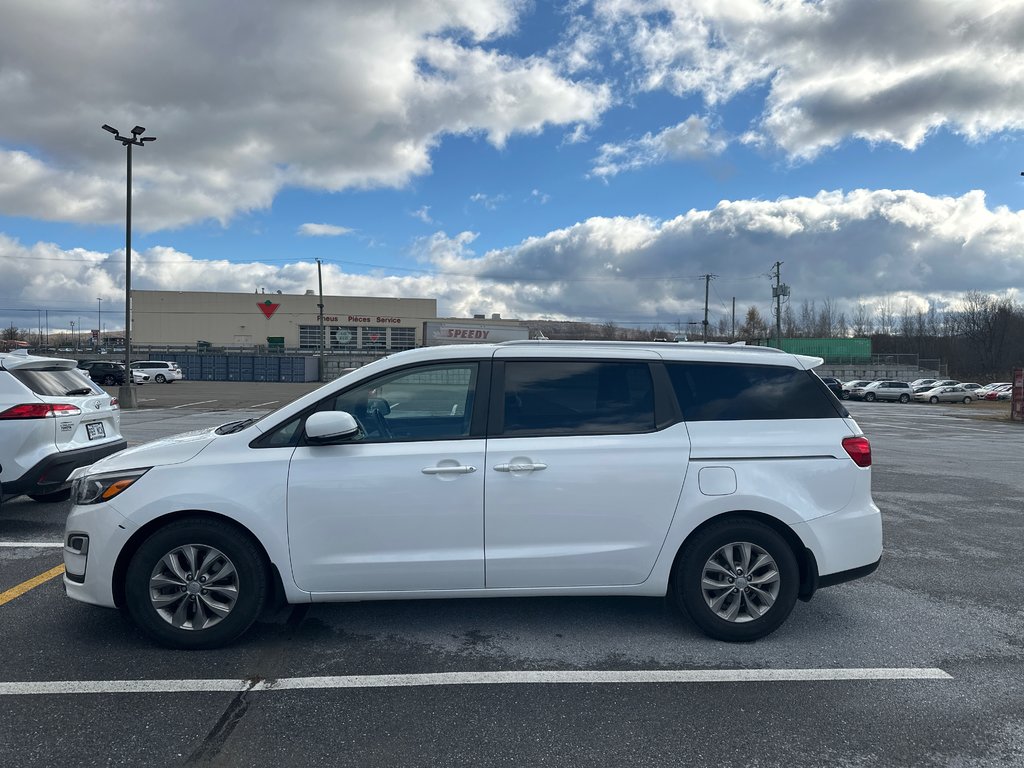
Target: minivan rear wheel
x=737 y=580
x=904 y=398
x=196 y=583
x=160 y=378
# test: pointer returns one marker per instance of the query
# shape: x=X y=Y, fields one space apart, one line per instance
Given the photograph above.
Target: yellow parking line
x=25 y=586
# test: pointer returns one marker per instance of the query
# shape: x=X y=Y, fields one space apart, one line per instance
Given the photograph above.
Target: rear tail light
x=114 y=403
x=41 y=411
x=859 y=449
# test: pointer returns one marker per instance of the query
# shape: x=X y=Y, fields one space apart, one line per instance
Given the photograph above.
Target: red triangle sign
x=268 y=308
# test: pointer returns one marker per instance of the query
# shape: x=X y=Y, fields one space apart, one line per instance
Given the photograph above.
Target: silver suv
x=53 y=419
x=895 y=391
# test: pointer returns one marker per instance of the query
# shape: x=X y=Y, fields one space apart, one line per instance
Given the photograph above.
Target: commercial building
x=357 y=324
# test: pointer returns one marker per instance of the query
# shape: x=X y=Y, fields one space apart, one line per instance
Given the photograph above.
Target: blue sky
x=584 y=160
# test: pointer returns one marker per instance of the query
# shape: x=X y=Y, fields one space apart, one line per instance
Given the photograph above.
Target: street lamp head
x=138 y=130
x=149 y=138
x=108 y=129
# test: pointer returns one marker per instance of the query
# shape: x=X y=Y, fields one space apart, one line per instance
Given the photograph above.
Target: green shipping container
x=840 y=350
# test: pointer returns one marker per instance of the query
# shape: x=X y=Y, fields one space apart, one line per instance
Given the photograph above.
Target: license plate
x=95 y=431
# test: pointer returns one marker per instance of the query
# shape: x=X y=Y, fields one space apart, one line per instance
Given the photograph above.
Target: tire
x=904 y=398
x=62 y=495
x=703 y=561
x=109 y=380
x=226 y=609
x=967 y=399
x=869 y=397
x=845 y=396
x=933 y=399
x=159 y=378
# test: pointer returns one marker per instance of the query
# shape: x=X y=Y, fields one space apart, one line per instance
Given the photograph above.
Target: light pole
x=99 y=322
x=127 y=393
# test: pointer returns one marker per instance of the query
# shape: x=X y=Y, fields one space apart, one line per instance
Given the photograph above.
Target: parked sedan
x=934 y=385
x=851 y=385
x=947 y=394
x=896 y=391
x=1000 y=392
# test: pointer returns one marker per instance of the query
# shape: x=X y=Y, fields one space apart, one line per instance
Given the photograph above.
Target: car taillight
x=114 y=403
x=40 y=411
x=859 y=449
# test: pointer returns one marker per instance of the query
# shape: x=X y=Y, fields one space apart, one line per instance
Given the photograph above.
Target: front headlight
x=94 y=489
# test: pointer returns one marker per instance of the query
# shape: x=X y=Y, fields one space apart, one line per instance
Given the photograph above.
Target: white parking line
x=260 y=404
x=186 y=405
x=475 y=678
x=32 y=544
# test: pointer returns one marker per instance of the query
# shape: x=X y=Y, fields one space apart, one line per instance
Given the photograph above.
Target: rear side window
x=553 y=397
x=57 y=382
x=725 y=392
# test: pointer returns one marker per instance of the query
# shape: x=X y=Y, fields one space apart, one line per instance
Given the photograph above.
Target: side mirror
x=330 y=426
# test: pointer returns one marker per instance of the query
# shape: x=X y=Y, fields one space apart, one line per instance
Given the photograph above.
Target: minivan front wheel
x=196 y=583
x=737 y=580
x=870 y=397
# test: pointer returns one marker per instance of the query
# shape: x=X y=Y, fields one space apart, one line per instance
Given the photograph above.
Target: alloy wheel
x=193 y=587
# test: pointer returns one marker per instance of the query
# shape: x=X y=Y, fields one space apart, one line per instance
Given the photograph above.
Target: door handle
x=519 y=467
x=459 y=470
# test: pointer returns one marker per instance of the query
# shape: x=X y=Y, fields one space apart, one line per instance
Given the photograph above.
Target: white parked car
x=726 y=476
x=160 y=371
x=53 y=420
x=945 y=394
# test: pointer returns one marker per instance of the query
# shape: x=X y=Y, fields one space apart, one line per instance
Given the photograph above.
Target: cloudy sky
x=582 y=160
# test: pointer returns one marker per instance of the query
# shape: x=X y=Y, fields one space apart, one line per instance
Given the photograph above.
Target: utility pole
x=779 y=291
x=733 y=334
x=320 y=306
x=707 y=287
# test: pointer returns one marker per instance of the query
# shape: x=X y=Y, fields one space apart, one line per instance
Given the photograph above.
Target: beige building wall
x=249 y=319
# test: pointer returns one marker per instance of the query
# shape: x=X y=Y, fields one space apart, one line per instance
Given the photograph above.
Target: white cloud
x=691 y=139
x=322 y=230
x=861 y=245
x=873 y=69
x=542 y=198
x=423 y=214
x=490 y=202
x=246 y=98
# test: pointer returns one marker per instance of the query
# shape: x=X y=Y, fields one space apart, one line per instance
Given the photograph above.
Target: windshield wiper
x=234 y=426
x=82 y=391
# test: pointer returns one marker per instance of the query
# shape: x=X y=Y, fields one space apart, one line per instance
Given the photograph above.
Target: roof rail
x=724 y=345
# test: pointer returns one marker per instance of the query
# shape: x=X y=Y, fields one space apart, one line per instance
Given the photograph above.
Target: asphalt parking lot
x=918 y=665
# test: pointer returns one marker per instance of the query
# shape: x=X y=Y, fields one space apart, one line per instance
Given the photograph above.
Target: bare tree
x=754 y=326
x=13 y=334
x=886 y=317
x=861 y=323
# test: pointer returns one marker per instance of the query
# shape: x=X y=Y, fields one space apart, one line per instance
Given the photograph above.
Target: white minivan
x=160 y=371
x=727 y=477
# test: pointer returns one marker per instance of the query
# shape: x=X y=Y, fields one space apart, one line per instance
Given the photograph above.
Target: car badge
x=96 y=404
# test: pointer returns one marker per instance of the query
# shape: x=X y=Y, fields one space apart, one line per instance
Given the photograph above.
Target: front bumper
x=89 y=576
